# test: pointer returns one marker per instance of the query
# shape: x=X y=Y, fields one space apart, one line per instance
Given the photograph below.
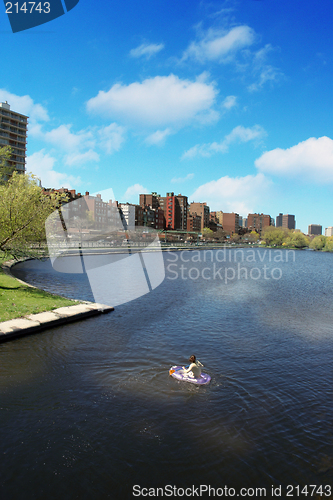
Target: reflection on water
x=88 y=410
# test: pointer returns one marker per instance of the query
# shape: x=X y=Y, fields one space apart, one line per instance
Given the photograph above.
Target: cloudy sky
x=228 y=102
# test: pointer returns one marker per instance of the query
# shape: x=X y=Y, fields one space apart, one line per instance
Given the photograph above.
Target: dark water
x=88 y=410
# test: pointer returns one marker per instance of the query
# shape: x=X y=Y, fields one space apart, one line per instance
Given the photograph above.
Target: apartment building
x=194 y=223
x=127 y=215
x=105 y=215
x=315 y=229
x=202 y=210
x=219 y=216
x=329 y=231
x=175 y=210
x=285 y=220
x=257 y=222
x=150 y=200
x=230 y=222
x=13 y=133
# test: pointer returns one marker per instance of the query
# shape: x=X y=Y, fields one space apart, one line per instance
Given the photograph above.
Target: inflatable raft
x=175 y=372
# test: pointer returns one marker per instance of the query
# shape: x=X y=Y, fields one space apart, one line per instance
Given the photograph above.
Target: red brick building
x=175 y=210
x=202 y=210
x=257 y=222
x=159 y=218
x=150 y=200
x=230 y=222
x=194 y=223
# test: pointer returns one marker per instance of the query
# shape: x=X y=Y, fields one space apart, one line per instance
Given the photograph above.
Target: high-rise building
x=182 y=208
x=13 y=133
x=219 y=216
x=159 y=218
x=202 y=210
x=315 y=229
x=230 y=222
x=152 y=212
x=286 y=220
x=213 y=218
x=194 y=223
x=329 y=231
x=104 y=214
x=149 y=200
x=257 y=222
x=175 y=211
x=127 y=215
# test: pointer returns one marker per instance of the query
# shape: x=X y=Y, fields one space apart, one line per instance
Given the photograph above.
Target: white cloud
x=80 y=147
x=311 y=160
x=267 y=74
x=42 y=165
x=243 y=134
x=263 y=71
x=220 y=45
x=80 y=158
x=238 y=134
x=132 y=192
x=63 y=138
x=182 y=179
x=229 y=102
x=156 y=102
x=112 y=137
x=26 y=106
x=158 y=137
x=233 y=194
x=147 y=50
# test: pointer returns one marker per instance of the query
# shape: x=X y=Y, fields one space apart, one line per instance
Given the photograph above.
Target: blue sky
x=226 y=102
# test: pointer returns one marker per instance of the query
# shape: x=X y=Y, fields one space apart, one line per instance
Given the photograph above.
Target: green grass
x=17 y=299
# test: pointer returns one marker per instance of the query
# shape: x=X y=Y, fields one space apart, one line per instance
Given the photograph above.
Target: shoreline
x=35 y=323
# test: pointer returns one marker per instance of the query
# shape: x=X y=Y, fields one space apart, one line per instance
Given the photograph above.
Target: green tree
x=23 y=211
x=5 y=169
x=253 y=237
x=297 y=240
x=207 y=233
x=275 y=236
x=329 y=245
x=318 y=242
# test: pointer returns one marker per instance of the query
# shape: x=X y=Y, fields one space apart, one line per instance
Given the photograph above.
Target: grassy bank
x=17 y=299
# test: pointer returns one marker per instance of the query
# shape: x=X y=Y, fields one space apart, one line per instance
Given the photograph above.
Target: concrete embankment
x=35 y=323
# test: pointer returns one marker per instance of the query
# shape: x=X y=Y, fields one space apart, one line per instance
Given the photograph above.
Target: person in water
x=194 y=370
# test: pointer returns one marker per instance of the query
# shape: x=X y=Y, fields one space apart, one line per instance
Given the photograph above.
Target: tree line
x=283 y=237
x=274 y=237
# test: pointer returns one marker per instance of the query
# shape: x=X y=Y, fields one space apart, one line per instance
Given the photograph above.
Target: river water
x=88 y=410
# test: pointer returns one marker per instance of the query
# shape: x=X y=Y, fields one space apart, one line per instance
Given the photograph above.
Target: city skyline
x=228 y=102
x=150 y=200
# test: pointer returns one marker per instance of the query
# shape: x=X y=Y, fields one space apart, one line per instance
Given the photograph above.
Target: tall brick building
x=202 y=210
x=230 y=222
x=257 y=222
x=175 y=211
